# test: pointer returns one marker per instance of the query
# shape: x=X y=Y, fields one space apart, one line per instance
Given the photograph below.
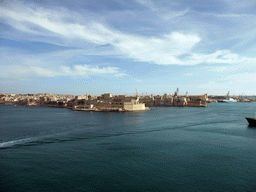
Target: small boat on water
x=251 y=121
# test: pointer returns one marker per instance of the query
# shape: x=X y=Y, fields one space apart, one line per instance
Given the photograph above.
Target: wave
x=71 y=136
x=17 y=142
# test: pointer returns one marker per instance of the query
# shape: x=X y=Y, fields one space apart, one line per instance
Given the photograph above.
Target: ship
x=251 y=121
x=227 y=100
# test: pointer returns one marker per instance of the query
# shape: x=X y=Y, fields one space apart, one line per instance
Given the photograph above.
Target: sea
x=165 y=149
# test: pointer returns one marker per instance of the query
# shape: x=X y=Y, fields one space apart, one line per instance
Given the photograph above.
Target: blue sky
x=97 y=46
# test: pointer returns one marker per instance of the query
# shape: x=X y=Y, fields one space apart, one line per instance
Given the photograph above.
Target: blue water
x=166 y=149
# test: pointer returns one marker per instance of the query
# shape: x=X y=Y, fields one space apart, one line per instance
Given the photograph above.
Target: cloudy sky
x=154 y=46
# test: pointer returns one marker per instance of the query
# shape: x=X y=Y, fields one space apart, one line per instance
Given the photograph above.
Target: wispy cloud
x=157 y=5
x=237 y=4
x=221 y=56
x=174 y=15
x=76 y=70
x=165 y=49
x=209 y=44
x=22 y=65
x=160 y=50
x=48 y=22
x=39 y=21
x=120 y=74
x=138 y=80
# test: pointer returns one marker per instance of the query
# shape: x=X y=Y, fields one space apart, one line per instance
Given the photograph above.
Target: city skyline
x=96 y=47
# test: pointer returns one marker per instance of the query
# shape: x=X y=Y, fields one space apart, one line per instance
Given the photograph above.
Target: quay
x=112 y=103
x=105 y=102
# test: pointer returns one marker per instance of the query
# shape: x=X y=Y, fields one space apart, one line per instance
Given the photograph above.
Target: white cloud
x=120 y=74
x=84 y=70
x=220 y=56
x=38 y=71
x=157 y=6
x=69 y=26
x=174 y=15
x=39 y=21
x=162 y=50
x=20 y=65
x=138 y=80
x=77 y=70
x=231 y=15
x=149 y=4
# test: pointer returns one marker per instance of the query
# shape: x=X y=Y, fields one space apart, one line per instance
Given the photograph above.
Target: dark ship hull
x=251 y=121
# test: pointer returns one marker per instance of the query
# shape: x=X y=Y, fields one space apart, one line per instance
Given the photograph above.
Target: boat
x=227 y=100
x=251 y=121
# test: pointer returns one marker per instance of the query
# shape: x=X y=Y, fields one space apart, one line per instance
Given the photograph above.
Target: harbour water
x=166 y=149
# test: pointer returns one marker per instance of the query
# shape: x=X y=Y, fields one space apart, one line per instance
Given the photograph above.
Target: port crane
x=136 y=92
x=228 y=94
x=176 y=92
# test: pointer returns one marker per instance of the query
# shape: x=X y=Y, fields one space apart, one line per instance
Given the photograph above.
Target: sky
x=117 y=46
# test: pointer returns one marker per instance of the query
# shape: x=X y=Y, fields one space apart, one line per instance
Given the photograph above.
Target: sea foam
x=17 y=142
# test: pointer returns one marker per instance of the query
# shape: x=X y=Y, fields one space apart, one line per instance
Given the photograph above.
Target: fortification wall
x=134 y=107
